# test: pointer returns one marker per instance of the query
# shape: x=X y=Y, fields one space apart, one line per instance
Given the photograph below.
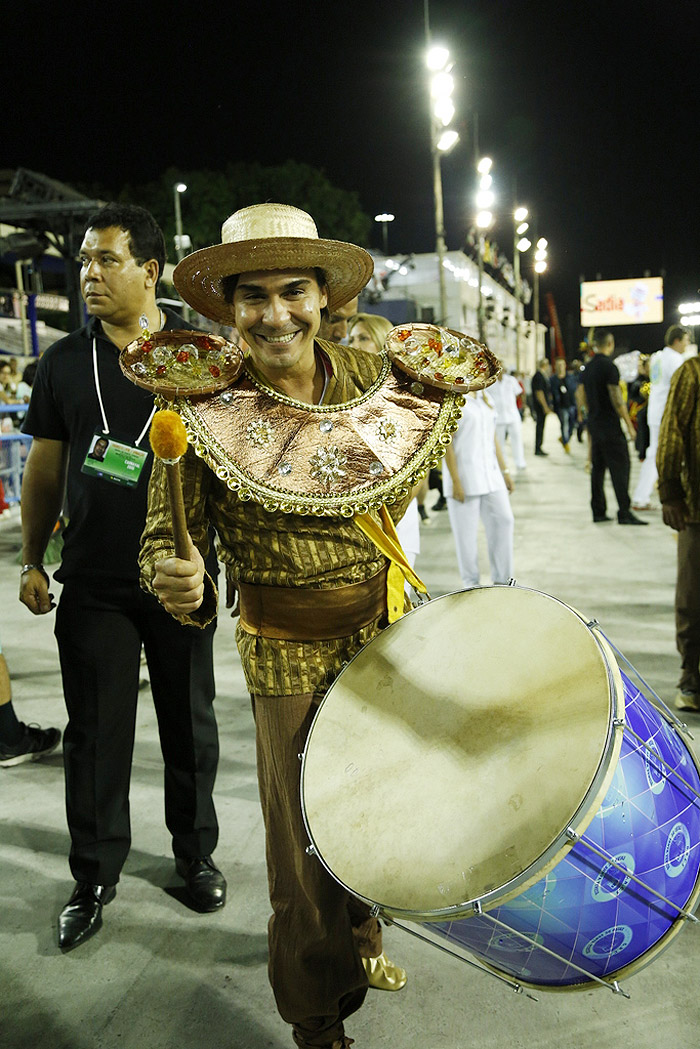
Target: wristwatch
x=39 y=567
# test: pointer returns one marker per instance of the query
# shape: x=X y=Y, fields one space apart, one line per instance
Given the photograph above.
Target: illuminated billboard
x=608 y=302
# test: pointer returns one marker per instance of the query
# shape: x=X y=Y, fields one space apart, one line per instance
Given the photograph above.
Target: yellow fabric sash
x=385 y=538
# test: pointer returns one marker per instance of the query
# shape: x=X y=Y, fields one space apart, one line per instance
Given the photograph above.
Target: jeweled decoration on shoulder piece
x=181 y=363
x=441 y=357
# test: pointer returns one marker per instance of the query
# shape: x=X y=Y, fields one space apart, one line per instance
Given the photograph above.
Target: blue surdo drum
x=484 y=771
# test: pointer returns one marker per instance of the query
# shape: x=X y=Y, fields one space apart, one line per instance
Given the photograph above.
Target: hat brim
x=198 y=277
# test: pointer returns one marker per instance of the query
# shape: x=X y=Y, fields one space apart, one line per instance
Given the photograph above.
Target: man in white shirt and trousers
x=663 y=366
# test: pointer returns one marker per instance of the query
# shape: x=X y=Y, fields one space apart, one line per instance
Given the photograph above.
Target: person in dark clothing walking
x=603 y=399
x=541 y=401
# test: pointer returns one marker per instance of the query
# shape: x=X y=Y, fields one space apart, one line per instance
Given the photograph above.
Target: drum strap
x=385 y=538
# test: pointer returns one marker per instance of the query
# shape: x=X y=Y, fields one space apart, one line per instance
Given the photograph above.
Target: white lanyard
x=105 y=425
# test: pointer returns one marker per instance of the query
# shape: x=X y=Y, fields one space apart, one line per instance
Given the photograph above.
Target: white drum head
x=456 y=748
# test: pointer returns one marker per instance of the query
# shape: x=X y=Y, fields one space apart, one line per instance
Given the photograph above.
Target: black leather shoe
x=204 y=882
x=630 y=518
x=599 y=518
x=81 y=917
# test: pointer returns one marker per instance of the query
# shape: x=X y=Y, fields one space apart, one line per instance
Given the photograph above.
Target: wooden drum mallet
x=169 y=443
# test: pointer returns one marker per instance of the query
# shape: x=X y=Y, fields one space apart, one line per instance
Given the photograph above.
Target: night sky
x=589 y=111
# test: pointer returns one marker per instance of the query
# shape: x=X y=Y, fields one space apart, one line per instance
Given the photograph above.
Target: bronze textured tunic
x=282 y=506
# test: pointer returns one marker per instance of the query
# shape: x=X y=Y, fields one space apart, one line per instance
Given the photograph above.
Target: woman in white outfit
x=476 y=484
x=504 y=394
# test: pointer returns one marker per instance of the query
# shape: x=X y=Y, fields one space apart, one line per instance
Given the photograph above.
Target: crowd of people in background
x=104 y=620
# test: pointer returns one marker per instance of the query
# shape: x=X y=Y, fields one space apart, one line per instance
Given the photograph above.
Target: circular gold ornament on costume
x=181 y=363
x=442 y=357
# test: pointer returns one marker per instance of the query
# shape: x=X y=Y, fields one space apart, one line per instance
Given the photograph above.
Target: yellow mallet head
x=168 y=436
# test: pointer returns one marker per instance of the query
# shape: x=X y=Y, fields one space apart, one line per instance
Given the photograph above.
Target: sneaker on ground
x=35 y=743
x=687 y=700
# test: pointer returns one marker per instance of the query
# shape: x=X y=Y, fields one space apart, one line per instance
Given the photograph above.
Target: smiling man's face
x=278 y=314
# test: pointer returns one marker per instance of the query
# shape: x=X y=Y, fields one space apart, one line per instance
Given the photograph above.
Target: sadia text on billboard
x=636 y=301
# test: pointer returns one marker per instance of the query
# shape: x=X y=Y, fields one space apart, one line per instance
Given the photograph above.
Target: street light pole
x=440 y=245
x=442 y=140
x=385 y=219
x=484 y=218
x=178 y=188
x=540 y=267
x=519 y=228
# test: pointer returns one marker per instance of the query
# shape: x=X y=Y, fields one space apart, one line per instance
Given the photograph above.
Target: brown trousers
x=317 y=934
x=688 y=607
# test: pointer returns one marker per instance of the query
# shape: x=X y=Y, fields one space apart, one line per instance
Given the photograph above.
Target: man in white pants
x=476 y=484
x=504 y=393
x=664 y=364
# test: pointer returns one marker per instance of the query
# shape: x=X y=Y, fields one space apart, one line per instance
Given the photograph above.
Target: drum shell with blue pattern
x=588 y=911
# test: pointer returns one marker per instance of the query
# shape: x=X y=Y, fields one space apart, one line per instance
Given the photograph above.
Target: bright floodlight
x=692 y=319
x=437 y=58
x=181 y=187
x=384 y=218
x=540 y=266
x=541 y=243
x=689 y=307
x=485 y=181
x=541 y=254
x=447 y=140
x=520 y=214
x=442 y=85
x=484 y=199
x=484 y=165
x=484 y=219
x=523 y=244
x=444 y=110
x=522 y=228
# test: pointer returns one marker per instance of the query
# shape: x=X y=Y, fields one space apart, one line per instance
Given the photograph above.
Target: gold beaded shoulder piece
x=326 y=460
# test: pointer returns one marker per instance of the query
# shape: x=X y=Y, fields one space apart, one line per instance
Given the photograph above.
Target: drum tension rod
x=671 y=771
x=611 y=985
x=603 y=855
x=662 y=707
x=514 y=985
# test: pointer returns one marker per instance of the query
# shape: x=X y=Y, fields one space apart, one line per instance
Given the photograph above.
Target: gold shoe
x=383 y=974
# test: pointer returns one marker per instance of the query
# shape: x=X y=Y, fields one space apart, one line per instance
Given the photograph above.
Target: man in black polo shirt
x=90 y=427
x=541 y=402
x=603 y=397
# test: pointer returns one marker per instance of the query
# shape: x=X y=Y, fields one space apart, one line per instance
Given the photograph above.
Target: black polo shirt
x=105 y=519
x=599 y=373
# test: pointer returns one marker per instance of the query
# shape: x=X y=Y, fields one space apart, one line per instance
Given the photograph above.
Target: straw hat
x=269 y=237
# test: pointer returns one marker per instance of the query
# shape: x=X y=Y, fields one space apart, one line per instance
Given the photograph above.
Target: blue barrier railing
x=14 y=447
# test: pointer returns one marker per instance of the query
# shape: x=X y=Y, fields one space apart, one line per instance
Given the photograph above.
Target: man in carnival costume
x=301 y=465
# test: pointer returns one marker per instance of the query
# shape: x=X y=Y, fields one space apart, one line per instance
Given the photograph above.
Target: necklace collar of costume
x=330 y=459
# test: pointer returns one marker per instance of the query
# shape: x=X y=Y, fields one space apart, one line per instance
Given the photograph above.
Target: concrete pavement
x=160 y=975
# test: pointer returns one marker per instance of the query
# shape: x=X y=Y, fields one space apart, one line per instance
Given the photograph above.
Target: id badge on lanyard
x=111 y=459
x=114 y=461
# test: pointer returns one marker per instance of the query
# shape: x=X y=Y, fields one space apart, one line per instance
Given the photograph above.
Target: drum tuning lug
x=616 y=989
x=592 y=623
x=691 y=918
x=512 y=582
x=619 y=722
x=477 y=907
x=375 y=911
x=310 y=850
x=571 y=834
x=300 y=756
